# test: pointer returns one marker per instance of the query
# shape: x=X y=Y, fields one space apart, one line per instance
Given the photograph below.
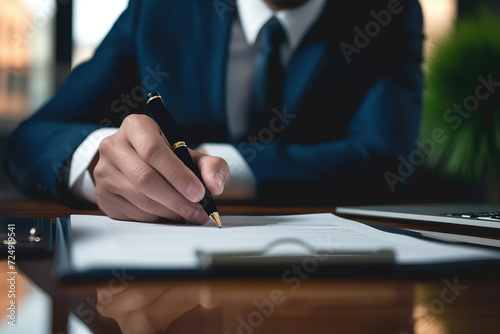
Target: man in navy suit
x=342 y=93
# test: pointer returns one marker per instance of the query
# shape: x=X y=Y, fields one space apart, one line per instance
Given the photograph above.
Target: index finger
x=154 y=149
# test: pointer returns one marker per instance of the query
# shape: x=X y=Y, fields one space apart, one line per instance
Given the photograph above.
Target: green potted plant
x=462 y=102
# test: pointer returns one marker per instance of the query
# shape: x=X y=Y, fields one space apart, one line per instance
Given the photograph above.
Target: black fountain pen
x=169 y=128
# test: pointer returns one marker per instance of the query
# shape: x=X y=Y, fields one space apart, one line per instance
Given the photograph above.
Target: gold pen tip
x=216 y=219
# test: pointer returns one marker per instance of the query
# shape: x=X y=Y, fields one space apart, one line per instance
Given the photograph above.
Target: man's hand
x=138 y=177
x=147 y=307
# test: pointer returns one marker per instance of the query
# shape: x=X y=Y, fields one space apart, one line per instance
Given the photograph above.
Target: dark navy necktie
x=269 y=75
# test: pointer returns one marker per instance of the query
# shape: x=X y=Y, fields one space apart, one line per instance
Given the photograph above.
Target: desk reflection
x=24 y=307
x=456 y=306
x=258 y=307
x=439 y=305
x=147 y=308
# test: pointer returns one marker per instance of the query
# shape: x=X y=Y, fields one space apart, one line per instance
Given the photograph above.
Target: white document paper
x=99 y=242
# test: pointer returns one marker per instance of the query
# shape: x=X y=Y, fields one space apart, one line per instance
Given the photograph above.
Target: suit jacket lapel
x=307 y=62
x=216 y=18
x=303 y=68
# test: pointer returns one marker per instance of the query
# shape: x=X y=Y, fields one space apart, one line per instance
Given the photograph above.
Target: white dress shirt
x=243 y=49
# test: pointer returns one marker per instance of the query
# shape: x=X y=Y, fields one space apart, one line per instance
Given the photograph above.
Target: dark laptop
x=470 y=214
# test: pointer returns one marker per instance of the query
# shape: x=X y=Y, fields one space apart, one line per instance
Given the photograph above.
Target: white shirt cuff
x=80 y=182
x=241 y=184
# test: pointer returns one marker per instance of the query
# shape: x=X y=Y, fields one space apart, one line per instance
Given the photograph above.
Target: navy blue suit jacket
x=351 y=105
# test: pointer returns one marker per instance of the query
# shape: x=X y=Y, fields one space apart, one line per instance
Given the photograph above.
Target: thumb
x=214 y=171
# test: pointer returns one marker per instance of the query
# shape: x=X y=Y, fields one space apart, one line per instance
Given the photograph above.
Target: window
x=92 y=19
x=26 y=56
x=439 y=21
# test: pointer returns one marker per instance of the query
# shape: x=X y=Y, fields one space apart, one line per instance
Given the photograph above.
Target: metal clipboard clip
x=260 y=258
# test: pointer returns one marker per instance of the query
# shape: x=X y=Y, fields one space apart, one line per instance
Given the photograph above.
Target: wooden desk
x=445 y=304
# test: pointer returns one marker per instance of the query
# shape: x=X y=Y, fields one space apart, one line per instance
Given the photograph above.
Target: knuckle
x=135 y=122
x=144 y=176
x=105 y=146
x=131 y=120
x=100 y=172
x=150 y=151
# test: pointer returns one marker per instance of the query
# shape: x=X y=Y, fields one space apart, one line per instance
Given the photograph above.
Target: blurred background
x=42 y=40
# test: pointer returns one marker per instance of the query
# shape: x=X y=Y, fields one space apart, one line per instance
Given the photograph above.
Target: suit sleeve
x=39 y=152
x=384 y=127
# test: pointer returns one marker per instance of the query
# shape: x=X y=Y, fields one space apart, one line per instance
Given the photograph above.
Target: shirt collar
x=296 y=21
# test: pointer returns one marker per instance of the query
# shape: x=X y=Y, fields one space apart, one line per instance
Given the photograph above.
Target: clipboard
x=377 y=264
x=220 y=264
